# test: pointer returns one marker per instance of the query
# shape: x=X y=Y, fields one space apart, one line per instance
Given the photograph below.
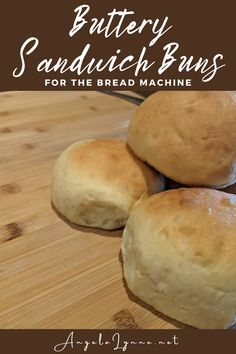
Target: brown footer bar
x=117 y=341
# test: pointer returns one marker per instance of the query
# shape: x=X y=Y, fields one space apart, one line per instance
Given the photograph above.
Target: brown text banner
x=123 y=341
x=160 y=45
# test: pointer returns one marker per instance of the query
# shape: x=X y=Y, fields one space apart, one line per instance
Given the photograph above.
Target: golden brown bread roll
x=230 y=189
x=179 y=255
x=189 y=136
x=96 y=182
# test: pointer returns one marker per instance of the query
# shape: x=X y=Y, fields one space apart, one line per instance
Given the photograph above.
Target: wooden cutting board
x=53 y=275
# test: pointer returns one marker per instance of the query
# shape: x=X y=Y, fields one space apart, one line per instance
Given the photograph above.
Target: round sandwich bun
x=96 y=182
x=189 y=136
x=179 y=255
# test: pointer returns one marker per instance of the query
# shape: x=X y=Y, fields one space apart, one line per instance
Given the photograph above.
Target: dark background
x=189 y=341
x=202 y=29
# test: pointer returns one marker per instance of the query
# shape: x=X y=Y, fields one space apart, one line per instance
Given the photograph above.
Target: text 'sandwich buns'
x=96 y=182
x=189 y=136
x=179 y=255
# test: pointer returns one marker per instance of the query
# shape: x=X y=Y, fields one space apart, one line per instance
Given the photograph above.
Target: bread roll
x=96 y=182
x=189 y=136
x=179 y=255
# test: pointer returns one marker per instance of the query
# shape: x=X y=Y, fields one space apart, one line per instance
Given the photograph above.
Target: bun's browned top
x=113 y=162
x=201 y=219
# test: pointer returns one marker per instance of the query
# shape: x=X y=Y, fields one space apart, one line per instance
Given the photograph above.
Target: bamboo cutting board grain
x=53 y=275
